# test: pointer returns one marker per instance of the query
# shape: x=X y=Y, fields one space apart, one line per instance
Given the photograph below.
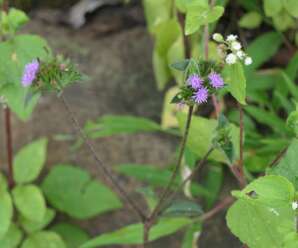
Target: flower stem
x=9 y=146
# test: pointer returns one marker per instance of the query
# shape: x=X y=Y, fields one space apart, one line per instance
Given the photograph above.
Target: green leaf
x=267 y=118
x=192 y=235
x=32 y=226
x=183 y=209
x=17 y=18
x=6 y=212
x=265 y=211
x=272 y=7
x=72 y=235
x=236 y=81
x=155 y=177
x=29 y=161
x=181 y=65
x=12 y=238
x=263 y=48
x=133 y=234
x=44 y=239
x=292 y=67
x=109 y=125
x=201 y=134
x=250 y=20
x=71 y=190
x=3 y=183
x=29 y=202
x=292 y=7
x=156 y=12
x=15 y=54
x=183 y=4
x=283 y=21
x=161 y=70
x=288 y=166
x=198 y=15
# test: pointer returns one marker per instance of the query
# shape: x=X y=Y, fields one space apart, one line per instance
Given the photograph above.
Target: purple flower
x=201 y=95
x=30 y=72
x=195 y=81
x=216 y=80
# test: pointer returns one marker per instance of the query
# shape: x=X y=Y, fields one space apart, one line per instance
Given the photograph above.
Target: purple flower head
x=195 y=81
x=216 y=80
x=30 y=72
x=201 y=95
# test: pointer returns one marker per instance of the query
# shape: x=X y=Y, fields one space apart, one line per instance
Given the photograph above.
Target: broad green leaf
x=201 y=134
x=32 y=226
x=6 y=212
x=161 y=70
x=292 y=67
x=109 y=125
x=272 y=7
x=44 y=239
x=288 y=166
x=265 y=211
x=133 y=234
x=3 y=183
x=292 y=7
x=12 y=237
x=263 y=48
x=15 y=54
x=192 y=235
x=71 y=190
x=183 y=4
x=250 y=20
x=198 y=15
x=29 y=161
x=30 y=202
x=156 y=12
x=72 y=235
x=236 y=81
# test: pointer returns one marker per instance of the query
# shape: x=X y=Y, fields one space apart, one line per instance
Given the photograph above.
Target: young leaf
x=265 y=211
x=133 y=234
x=72 y=235
x=292 y=7
x=236 y=81
x=71 y=190
x=44 y=239
x=12 y=237
x=250 y=20
x=17 y=18
x=272 y=7
x=29 y=202
x=29 y=161
x=6 y=211
x=199 y=14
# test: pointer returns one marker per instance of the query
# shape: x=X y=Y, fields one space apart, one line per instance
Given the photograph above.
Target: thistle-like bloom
x=216 y=80
x=30 y=73
x=201 y=95
x=195 y=81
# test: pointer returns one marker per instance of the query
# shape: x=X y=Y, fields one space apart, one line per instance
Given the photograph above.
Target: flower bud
x=217 y=37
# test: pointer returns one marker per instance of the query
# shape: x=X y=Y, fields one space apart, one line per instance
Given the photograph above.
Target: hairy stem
x=9 y=145
x=106 y=170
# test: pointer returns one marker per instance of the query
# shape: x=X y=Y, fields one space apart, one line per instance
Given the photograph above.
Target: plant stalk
x=241 y=145
x=9 y=145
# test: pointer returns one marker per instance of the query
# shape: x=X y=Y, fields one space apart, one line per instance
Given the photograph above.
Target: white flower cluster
x=232 y=49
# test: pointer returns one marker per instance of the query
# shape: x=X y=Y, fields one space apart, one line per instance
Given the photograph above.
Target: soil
x=117 y=58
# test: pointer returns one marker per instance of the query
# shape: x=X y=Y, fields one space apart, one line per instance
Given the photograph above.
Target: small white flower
x=231 y=59
x=232 y=37
x=236 y=45
x=294 y=205
x=217 y=37
x=248 y=61
x=240 y=54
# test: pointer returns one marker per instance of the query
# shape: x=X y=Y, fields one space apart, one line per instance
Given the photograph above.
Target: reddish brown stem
x=219 y=207
x=278 y=157
x=9 y=146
